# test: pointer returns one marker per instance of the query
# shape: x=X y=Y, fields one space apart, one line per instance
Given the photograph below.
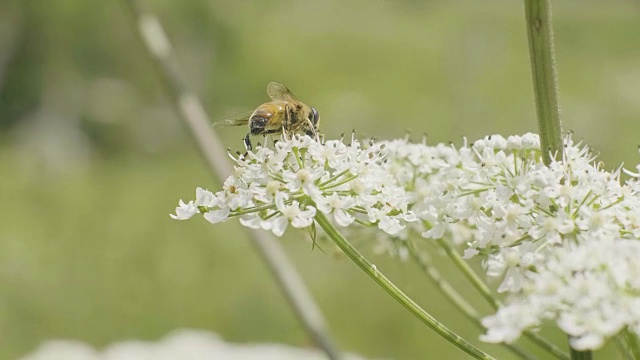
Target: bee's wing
x=277 y=91
x=236 y=120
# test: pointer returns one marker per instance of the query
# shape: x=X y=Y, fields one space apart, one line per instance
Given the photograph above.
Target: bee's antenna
x=230 y=154
x=247 y=143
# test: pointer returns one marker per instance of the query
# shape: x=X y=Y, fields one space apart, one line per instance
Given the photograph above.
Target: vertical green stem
x=543 y=70
x=395 y=292
x=545 y=88
x=581 y=355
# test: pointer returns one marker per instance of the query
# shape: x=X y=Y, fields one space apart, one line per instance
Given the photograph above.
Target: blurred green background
x=93 y=159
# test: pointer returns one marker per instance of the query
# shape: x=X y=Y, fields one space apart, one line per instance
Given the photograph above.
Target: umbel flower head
x=287 y=185
x=563 y=237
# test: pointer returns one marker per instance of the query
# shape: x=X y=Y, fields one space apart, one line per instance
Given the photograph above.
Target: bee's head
x=314 y=117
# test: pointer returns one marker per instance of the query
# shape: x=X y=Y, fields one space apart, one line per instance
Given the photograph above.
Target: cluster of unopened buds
x=562 y=237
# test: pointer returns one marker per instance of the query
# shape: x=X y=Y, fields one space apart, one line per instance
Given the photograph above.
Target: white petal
x=279 y=225
x=390 y=225
x=184 y=211
x=251 y=221
x=216 y=216
x=342 y=217
x=204 y=197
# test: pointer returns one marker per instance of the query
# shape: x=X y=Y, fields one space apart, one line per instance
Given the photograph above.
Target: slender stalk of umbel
x=388 y=286
x=456 y=298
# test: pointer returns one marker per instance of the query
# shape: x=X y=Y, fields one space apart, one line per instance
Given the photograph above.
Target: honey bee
x=283 y=114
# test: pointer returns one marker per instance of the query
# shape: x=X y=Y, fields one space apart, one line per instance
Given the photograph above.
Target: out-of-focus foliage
x=93 y=159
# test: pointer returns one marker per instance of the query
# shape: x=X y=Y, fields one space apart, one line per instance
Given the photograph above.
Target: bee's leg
x=286 y=121
x=247 y=142
x=311 y=131
x=271 y=132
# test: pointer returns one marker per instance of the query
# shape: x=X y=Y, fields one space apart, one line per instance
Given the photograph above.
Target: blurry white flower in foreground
x=179 y=345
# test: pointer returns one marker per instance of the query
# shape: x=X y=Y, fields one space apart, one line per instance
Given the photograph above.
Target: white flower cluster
x=564 y=237
x=272 y=188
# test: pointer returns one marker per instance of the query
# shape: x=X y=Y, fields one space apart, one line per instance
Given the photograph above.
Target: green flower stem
x=632 y=341
x=581 y=355
x=343 y=181
x=296 y=152
x=469 y=273
x=456 y=299
x=395 y=292
x=543 y=70
x=333 y=178
x=486 y=293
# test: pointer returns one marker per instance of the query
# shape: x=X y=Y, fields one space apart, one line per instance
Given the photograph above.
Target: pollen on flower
x=303 y=175
x=272 y=187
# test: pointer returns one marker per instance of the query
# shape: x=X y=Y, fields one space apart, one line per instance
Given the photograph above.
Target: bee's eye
x=315 y=115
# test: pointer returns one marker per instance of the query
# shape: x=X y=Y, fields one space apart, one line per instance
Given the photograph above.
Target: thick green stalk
x=543 y=71
x=395 y=292
x=581 y=355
